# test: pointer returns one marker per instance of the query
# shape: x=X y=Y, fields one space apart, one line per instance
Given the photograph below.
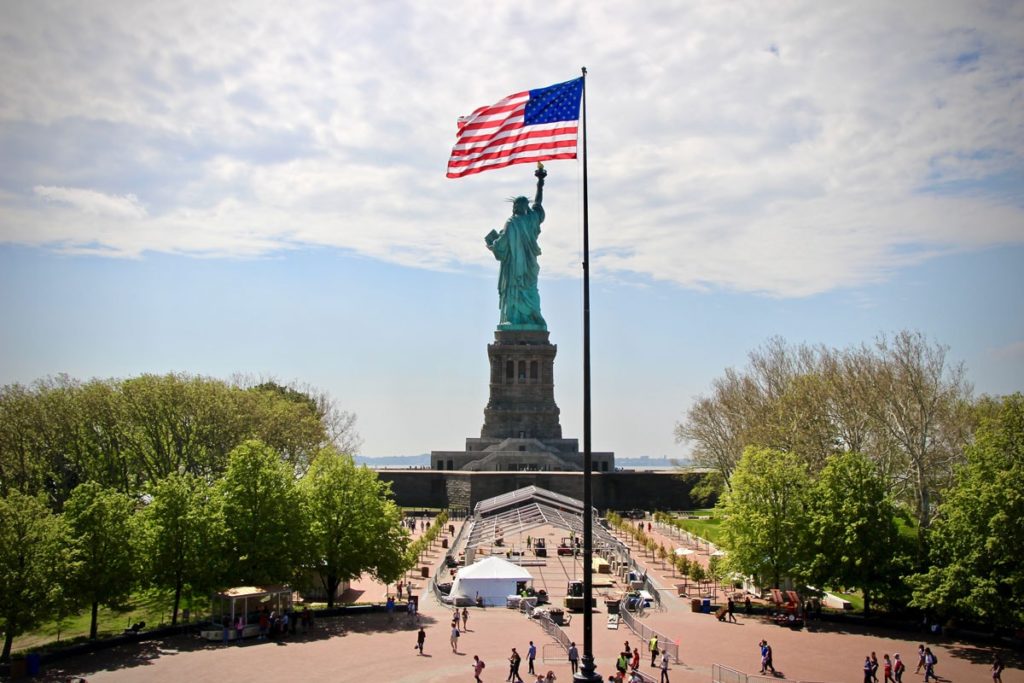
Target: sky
x=259 y=188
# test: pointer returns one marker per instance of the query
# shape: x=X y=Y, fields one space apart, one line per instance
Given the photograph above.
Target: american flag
x=535 y=125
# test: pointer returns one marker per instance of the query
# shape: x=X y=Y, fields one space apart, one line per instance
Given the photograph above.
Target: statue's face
x=520 y=205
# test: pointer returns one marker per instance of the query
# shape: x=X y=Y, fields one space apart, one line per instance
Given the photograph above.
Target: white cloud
x=787 y=149
x=91 y=202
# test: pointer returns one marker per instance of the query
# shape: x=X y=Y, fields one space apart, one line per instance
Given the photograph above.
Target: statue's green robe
x=517 y=249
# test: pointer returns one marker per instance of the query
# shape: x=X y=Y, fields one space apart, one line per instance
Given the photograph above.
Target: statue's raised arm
x=541 y=175
x=517 y=249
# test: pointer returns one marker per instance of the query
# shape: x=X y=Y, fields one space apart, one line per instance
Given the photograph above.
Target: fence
x=665 y=644
x=554 y=630
x=438 y=595
x=649 y=584
x=723 y=674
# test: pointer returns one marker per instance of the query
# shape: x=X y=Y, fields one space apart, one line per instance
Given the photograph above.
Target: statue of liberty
x=517 y=249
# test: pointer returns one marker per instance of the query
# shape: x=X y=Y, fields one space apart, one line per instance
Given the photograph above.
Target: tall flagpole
x=587 y=670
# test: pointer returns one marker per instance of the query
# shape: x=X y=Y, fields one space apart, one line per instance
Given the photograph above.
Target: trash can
x=695 y=605
x=612 y=605
x=706 y=606
x=32 y=664
x=425 y=572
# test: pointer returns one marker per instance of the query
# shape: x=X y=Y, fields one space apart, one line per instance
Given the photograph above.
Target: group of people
x=271 y=623
x=455 y=633
x=892 y=669
x=410 y=523
x=627 y=665
x=515 y=660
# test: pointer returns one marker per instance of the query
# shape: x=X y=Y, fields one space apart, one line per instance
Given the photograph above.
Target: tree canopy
x=977 y=541
x=354 y=526
x=127 y=434
x=765 y=514
x=900 y=402
x=30 y=552
x=99 y=522
x=263 y=514
x=182 y=537
x=853 y=538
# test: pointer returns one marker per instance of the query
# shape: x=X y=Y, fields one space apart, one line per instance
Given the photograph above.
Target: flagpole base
x=587 y=672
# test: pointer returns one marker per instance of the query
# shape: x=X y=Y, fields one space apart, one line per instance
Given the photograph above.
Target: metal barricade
x=723 y=674
x=555 y=631
x=645 y=632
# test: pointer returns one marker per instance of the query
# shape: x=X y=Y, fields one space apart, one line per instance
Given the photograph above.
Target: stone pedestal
x=522 y=399
x=521 y=430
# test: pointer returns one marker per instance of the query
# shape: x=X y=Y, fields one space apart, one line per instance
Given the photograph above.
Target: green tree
x=977 y=540
x=182 y=536
x=29 y=552
x=854 y=539
x=263 y=514
x=354 y=525
x=708 y=488
x=764 y=514
x=100 y=526
x=919 y=403
x=21 y=468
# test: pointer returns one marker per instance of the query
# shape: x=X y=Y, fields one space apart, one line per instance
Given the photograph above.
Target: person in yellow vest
x=653 y=645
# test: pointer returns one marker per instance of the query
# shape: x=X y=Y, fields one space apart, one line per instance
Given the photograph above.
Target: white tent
x=492 y=578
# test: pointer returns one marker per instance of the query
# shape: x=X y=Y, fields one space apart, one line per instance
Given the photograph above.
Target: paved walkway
x=372 y=648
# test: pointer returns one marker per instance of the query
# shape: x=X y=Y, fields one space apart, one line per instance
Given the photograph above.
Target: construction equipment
x=574 y=597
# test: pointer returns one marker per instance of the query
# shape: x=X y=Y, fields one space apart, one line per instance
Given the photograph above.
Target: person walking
x=513 y=667
x=574 y=658
x=920 y=658
x=769 y=658
x=634 y=662
x=929 y=664
x=867 y=669
x=997 y=669
x=531 y=654
x=621 y=664
x=887 y=668
x=874 y=667
x=239 y=628
x=731 y=611
x=478 y=667
x=465 y=619
x=455 y=636
x=421 y=637
x=898 y=667
x=664 y=667
x=653 y=647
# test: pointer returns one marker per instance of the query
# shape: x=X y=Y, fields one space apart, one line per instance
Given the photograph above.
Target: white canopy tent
x=492 y=578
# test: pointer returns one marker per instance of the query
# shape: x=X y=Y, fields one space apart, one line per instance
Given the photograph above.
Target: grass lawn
x=708 y=529
x=152 y=607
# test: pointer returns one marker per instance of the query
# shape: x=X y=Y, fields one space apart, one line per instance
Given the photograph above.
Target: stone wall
x=652 y=490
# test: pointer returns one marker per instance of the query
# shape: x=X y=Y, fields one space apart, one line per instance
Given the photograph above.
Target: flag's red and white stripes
x=495 y=136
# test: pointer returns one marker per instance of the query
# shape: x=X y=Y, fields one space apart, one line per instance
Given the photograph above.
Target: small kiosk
x=245 y=602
